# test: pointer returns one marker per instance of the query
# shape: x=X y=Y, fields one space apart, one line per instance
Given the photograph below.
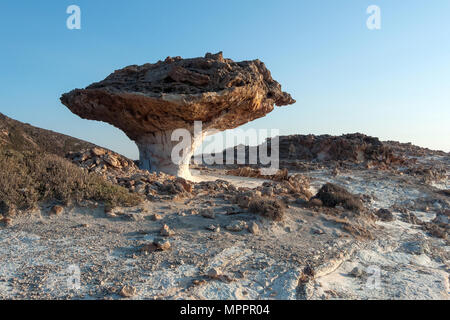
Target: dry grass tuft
x=333 y=195
x=271 y=209
x=29 y=177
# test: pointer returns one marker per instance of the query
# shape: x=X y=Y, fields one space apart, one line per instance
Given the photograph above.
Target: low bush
x=29 y=177
x=271 y=209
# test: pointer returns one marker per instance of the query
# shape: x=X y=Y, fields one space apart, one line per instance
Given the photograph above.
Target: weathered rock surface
x=149 y=102
x=354 y=148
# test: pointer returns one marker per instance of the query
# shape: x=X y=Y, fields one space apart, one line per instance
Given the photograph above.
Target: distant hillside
x=22 y=136
x=33 y=169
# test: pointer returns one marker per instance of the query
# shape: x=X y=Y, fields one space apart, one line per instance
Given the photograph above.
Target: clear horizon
x=391 y=83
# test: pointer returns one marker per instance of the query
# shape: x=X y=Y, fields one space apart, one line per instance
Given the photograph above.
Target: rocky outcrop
x=349 y=147
x=103 y=162
x=355 y=148
x=149 y=102
x=124 y=172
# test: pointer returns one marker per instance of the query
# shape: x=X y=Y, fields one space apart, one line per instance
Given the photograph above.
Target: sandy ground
x=85 y=254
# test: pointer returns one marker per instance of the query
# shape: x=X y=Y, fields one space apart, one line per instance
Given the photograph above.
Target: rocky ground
x=240 y=237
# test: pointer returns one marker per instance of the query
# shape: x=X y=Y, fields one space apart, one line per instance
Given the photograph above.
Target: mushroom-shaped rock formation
x=149 y=102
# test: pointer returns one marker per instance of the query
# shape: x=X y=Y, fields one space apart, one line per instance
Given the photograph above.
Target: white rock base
x=155 y=153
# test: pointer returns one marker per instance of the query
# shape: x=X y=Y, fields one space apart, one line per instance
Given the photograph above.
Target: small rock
x=198 y=282
x=56 y=210
x=192 y=212
x=208 y=213
x=316 y=230
x=213 y=228
x=254 y=228
x=162 y=244
x=214 y=273
x=111 y=214
x=127 y=291
x=356 y=272
x=148 y=248
x=236 y=226
x=166 y=231
x=315 y=202
x=98 y=151
x=112 y=160
x=156 y=217
x=141 y=188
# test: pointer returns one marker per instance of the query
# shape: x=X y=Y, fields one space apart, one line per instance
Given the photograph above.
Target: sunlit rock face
x=150 y=101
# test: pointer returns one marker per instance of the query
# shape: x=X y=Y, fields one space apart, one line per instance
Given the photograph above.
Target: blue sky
x=391 y=83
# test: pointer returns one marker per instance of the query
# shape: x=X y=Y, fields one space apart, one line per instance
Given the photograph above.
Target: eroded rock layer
x=150 y=100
